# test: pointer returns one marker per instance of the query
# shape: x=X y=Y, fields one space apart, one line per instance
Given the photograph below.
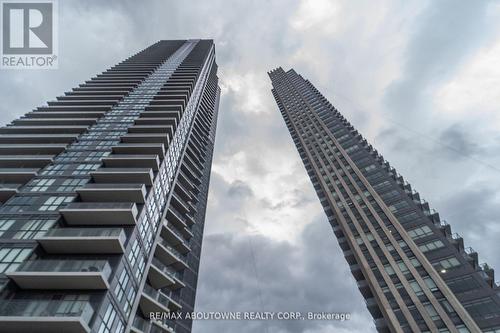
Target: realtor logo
x=29 y=34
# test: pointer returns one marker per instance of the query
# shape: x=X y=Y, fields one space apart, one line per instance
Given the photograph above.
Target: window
x=69 y=185
x=402 y=266
x=448 y=263
x=19 y=204
x=122 y=285
x=431 y=311
x=108 y=320
x=84 y=169
x=140 y=267
x=420 y=232
x=484 y=308
x=370 y=167
x=416 y=288
x=55 y=169
x=463 y=284
x=70 y=156
x=399 y=206
x=11 y=258
x=5 y=225
x=34 y=228
x=52 y=203
x=124 y=288
x=390 y=195
x=431 y=246
x=389 y=269
x=41 y=185
x=96 y=155
x=380 y=185
x=351 y=149
x=447 y=306
x=430 y=283
x=408 y=217
x=72 y=304
x=134 y=253
x=414 y=261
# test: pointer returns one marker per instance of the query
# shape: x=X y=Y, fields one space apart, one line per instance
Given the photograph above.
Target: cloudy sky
x=420 y=80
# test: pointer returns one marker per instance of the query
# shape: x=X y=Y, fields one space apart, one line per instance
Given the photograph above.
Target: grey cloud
x=457 y=141
x=447 y=32
x=298 y=198
x=239 y=189
x=474 y=213
x=284 y=277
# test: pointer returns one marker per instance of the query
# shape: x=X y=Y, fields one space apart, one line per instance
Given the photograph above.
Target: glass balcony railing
x=146 y=325
x=180 y=256
x=141 y=324
x=66 y=266
x=183 y=216
x=100 y=205
x=178 y=214
x=47 y=308
x=166 y=269
x=178 y=233
x=85 y=232
x=156 y=295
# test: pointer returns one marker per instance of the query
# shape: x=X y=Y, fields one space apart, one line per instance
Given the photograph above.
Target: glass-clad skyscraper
x=414 y=273
x=103 y=197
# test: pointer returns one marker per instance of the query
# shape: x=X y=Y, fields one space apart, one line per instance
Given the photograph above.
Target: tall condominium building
x=103 y=197
x=414 y=273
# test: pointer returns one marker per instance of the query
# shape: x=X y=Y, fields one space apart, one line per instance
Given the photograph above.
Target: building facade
x=103 y=197
x=414 y=273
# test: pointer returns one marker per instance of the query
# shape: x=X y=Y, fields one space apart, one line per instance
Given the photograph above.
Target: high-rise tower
x=103 y=197
x=414 y=273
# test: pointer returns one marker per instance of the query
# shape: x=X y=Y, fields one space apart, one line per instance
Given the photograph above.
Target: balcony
x=175 y=238
x=164 y=108
x=36 y=138
x=182 y=192
x=161 y=276
x=168 y=129
x=176 y=218
x=113 y=193
x=187 y=183
x=141 y=325
x=163 y=114
x=54 y=121
x=192 y=173
x=79 y=103
x=83 y=114
x=356 y=272
x=7 y=191
x=17 y=175
x=84 y=241
x=179 y=204
x=62 y=274
x=45 y=316
x=123 y=175
x=155 y=301
x=146 y=138
x=43 y=129
x=156 y=121
x=189 y=219
x=132 y=161
x=25 y=161
x=170 y=256
x=100 y=214
x=140 y=148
